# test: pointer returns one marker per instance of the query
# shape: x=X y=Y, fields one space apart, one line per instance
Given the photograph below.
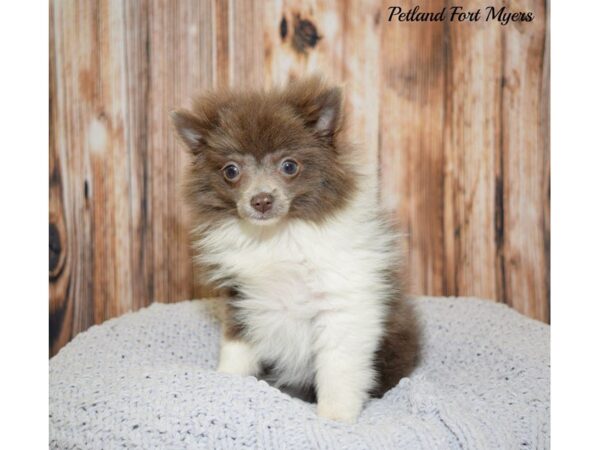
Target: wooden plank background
x=454 y=117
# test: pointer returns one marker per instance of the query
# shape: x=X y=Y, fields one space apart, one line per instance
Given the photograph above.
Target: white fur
x=237 y=357
x=313 y=299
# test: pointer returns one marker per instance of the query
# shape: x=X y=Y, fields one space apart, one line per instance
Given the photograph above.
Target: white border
x=575 y=224
x=575 y=227
x=24 y=229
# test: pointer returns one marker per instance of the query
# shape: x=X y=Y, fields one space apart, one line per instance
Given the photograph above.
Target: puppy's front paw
x=234 y=367
x=346 y=410
x=237 y=358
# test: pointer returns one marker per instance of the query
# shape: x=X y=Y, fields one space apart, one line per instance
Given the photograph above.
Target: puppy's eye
x=290 y=167
x=231 y=172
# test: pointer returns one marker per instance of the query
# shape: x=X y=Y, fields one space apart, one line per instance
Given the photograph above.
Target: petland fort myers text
x=502 y=15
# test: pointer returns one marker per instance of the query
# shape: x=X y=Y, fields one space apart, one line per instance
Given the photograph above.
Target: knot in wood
x=305 y=35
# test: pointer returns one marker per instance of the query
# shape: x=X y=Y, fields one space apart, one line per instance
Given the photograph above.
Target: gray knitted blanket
x=147 y=380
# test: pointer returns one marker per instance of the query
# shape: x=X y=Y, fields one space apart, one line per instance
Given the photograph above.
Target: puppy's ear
x=329 y=107
x=319 y=105
x=190 y=130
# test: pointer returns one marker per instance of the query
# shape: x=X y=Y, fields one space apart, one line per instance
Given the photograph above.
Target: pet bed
x=147 y=380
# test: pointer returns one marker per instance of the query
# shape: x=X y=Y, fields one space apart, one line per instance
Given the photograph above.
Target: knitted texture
x=147 y=380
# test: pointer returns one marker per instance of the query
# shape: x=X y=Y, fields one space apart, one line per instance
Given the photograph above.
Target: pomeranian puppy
x=286 y=222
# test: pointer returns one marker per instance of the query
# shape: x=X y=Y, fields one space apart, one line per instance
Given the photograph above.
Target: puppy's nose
x=262 y=202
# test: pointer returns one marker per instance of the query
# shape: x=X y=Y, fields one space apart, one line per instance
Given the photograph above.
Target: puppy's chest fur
x=292 y=278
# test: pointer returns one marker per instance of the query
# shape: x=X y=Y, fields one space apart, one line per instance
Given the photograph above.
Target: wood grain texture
x=526 y=165
x=471 y=143
x=412 y=144
x=453 y=119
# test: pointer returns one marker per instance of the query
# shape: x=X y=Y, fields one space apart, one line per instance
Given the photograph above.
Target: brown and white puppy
x=286 y=221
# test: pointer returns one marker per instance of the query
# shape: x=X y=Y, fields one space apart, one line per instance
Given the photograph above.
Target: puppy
x=286 y=222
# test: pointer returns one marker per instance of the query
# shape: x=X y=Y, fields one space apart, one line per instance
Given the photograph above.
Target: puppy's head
x=265 y=156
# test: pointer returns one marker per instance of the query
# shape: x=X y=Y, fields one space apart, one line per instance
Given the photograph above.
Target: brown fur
x=235 y=126
x=399 y=350
x=233 y=328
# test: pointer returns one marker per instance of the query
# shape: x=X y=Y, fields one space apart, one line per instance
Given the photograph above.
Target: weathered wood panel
x=526 y=165
x=71 y=276
x=180 y=62
x=117 y=69
x=453 y=116
x=412 y=153
x=471 y=144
